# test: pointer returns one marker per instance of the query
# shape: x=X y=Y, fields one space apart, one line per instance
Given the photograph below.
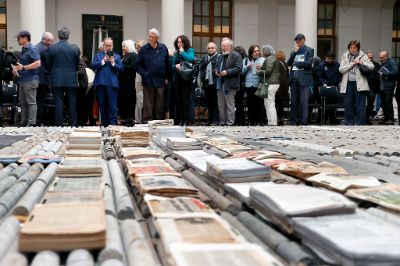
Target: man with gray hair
x=63 y=64
x=43 y=89
x=228 y=69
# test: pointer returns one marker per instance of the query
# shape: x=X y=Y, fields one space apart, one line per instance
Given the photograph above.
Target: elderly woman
x=126 y=94
x=269 y=72
x=354 y=84
x=139 y=88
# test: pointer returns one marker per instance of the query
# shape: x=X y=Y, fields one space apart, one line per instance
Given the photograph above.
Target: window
x=326 y=26
x=3 y=24
x=212 y=21
x=396 y=31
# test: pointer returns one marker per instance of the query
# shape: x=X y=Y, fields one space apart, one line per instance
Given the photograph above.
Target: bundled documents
x=257 y=155
x=175 y=143
x=83 y=167
x=166 y=186
x=303 y=170
x=196 y=159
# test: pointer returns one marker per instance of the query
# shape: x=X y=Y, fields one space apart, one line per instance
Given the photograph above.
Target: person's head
x=101 y=47
x=280 y=55
x=63 y=33
x=254 y=51
x=383 y=57
x=370 y=55
x=330 y=57
x=154 y=35
x=108 y=44
x=267 y=50
x=182 y=41
x=47 y=38
x=211 y=48
x=128 y=46
x=139 y=44
x=240 y=49
x=23 y=37
x=354 y=46
x=226 y=45
x=300 y=40
x=316 y=61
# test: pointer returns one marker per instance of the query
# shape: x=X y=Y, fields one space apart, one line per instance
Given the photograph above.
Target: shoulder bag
x=262 y=91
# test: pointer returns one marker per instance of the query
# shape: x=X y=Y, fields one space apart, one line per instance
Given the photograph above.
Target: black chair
x=330 y=99
x=9 y=98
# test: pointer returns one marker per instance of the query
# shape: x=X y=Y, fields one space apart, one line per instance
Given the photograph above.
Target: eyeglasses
x=210 y=48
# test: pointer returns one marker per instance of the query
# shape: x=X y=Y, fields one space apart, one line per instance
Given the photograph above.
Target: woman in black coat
x=127 y=93
x=282 y=95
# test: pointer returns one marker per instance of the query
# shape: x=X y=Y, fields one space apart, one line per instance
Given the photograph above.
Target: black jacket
x=127 y=76
x=329 y=74
x=233 y=66
x=203 y=67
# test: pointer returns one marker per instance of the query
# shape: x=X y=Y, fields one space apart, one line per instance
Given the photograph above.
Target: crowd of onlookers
x=237 y=86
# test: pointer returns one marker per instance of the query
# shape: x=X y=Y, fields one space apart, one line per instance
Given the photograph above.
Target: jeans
x=299 y=102
x=354 y=105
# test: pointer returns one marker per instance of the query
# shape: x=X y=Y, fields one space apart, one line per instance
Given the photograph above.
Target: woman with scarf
x=183 y=88
x=354 y=84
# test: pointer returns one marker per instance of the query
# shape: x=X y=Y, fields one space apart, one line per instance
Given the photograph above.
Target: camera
x=110 y=53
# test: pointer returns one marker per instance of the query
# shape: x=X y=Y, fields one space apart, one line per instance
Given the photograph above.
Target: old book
x=154 y=124
x=135 y=153
x=175 y=143
x=217 y=141
x=162 y=133
x=161 y=207
x=387 y=195
x=168 y=186
x=196 y=159
x=68 y=184
x=304 y=170
x=84 y=137
x=146 y=161
x=237 y=170
x=273 y=162
x=73 y=166
x=222 y=255
x=135 y=171
x=64 y=227
x=88 y=146
x=72 y=197
x=83 y=153
x=343 y=182
x=241 y=191
x=256 y=155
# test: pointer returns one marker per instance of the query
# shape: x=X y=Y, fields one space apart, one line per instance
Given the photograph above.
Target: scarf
x=209 y=70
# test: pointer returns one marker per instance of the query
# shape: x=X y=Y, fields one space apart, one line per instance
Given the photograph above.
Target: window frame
x=332 y=37
x=396 y=28
x=3 y=26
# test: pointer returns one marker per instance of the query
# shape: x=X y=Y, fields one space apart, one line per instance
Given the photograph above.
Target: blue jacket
x=389 y=74
x=153 y=65
x=43 y=73
x=63 y=63
x=107 y=75
x=302 y=60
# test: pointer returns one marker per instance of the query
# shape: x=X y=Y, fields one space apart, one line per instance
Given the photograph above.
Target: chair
x=330 y=99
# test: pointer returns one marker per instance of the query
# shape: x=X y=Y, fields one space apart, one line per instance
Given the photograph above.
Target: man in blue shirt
x=152 y=63
x=27 y=71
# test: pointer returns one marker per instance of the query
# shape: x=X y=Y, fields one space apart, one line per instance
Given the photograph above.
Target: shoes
x=389 y=122
x=213 y=124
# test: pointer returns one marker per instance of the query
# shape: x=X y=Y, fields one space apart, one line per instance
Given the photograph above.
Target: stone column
x=33 y=18
x=172 y=21
x=307 y=21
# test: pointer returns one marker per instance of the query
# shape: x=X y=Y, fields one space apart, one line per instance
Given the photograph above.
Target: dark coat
x=43 y=72
x=373 y=79
x=128 y=74
x=329 y=74
x=203 y=67
x=63 y=63
x=82 y=76
x=388 y=74
x=107 y=74
x=283 y=91
x=305 y=75
x=153 y=65
x=234 y=64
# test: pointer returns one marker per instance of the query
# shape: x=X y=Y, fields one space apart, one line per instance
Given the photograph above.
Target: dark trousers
x=280 y=110
x=255 y=106
x=41 y=95
x=354 y=105
x=398 y=102
x=85 y=107
x=212 y=103
x=58 y=96
x=370 y=105
x=239 y=112
x=108 y=97
x=184 y=102
x=127 y=103
x=153 y=107
x=387 y=104
x=299 y=102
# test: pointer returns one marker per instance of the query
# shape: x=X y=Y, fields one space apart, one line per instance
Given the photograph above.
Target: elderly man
x=107 y=64
x=152 y=63
x=43 y=89
x=301 y=79
x=28 y=72
x=228 y=69
x=388 y=75
x=63 y=63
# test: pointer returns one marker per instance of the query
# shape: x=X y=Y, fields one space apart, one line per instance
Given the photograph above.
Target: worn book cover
x=343 y=182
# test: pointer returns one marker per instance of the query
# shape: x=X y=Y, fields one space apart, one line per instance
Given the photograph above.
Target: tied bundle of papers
x=257 y=155
x=78 y=137
x=83 y=167
x=303 y=170
x=196 y=159
x=351 y=239
x=154 y=124
x=166 y=186
x=387 y=195
x=237 y=170
x=134 y=137
x=138 y=170
x=175 y=143
x=162 y=133
x=280 y=203
x=343 y=182
x=272 y=162
x=64 y=227
x=137 y=153
x=241 y=191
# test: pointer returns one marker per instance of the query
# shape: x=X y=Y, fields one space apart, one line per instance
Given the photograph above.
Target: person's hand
x=223 y=73
x=258 y=67
x=181 y=49
x=296 y=48
x=106 y=58
x=15 y=73
x=18 y=67
x=217 y=73
x=357 y=62
x=166 y=82
x=178 y=66
x=112 y=60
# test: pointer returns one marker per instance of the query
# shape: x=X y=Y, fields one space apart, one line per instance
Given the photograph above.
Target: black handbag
x=186 y=71
x=364 y=70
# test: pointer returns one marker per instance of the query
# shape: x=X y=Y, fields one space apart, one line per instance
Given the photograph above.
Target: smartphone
x=110 y=53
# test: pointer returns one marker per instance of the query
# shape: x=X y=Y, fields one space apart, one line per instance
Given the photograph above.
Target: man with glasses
x=208 y=81
x=107 y=64
x=27 y=72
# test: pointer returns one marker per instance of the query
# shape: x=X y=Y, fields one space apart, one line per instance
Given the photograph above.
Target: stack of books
x=177 y=144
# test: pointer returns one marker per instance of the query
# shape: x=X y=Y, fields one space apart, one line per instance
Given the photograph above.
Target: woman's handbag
x=364 y=70
x=262 y=91
x=186 y=71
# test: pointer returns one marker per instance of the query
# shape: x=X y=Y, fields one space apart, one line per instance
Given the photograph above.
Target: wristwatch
x=23 y=67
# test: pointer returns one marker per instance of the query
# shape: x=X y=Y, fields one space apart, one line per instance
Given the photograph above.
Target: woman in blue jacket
x=183 y=88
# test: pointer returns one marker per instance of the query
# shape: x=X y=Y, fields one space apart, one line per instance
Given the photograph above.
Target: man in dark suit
x=228 y=69
x=107 y=64
x=301 y=79
x=63 y=63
